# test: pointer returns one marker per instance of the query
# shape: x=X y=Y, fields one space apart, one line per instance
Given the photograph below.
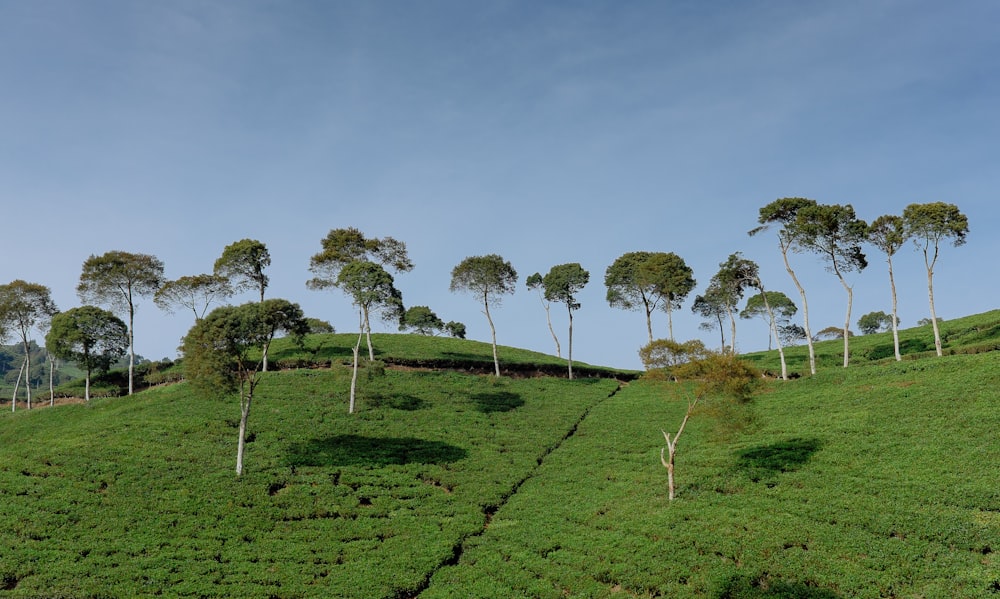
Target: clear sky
x=547 y=132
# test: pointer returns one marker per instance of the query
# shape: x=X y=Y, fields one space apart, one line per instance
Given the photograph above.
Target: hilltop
x=872 y=481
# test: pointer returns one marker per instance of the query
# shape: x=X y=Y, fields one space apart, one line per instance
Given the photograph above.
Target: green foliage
x=667 y=353
x=455 y=329
x=343 y=246
x=421 y=320
x=243 y=263
x=563 y=282
x=932 y=223
x=196 y=293
x=874 y=322
x=88 y=336
x=116 y=278
x=317 y=326
x=487 y=277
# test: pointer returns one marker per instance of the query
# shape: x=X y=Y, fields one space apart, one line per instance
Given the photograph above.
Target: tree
x=196 y=293
x=26 y=306
x=488 y=278
x=223 y=352
x=726 y=288
x=534 y=282
x=561 y=284
x=90 y=337
x=117 y=279
x=888 y=233
x=341 y=247
x=929 y=225
x=650 y=279
x=319 y=327
x=833 y=332
x=711 y=307
x=697 y=374
x=836 y=234
x=372 y=289
x=422 y=320
x=242 y=263
x=776 y=309
x=783 y=212
x=873 y=322
x=455 y=329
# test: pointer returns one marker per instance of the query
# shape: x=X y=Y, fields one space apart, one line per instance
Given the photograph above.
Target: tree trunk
x=27 y=370
x=570 y=360
x=548 y=318
x=52 y=375
x=13 y=401
x=670 y=320
x=732 y=330
x=805 y=309
x=244 y=416
x=493 y=333
x=649 y=319
x=368 y=335
x=774 y=330
x=930 y=298
x=354 y=372
x=895 y=320
x=131 y=347
x=847 y=319
x=86 y=387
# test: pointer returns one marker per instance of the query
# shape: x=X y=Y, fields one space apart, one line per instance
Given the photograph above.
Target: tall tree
x=26 y=306
x=371 y=288
x=196 y=293
x=341 y=247
x=223 y=352
x=242 y=263
x=929 y=225
x=727 y=286
x=711 y=307
x=488 y=278
x=561 y=284
x=88 y=336
x=534 y=282
x=117 y=279
x=782 y=213
x=776 y=309
x=836 y=234
x=888 y=233
x=650 y=279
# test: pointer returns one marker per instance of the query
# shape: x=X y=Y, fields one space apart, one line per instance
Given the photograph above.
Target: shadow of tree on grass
x=784 y=456
x=765 y=587
x=500 y=401
x=356 y=450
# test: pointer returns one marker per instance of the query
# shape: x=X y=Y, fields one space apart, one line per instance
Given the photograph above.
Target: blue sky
x=547 y=132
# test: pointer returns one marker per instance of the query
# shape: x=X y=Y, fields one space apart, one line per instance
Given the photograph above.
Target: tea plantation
x=879 y=480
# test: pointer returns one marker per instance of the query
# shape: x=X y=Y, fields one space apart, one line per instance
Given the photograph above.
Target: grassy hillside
x=969 y=335
x=874 y=481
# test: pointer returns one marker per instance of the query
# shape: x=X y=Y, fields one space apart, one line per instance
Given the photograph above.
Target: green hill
x=874 y=481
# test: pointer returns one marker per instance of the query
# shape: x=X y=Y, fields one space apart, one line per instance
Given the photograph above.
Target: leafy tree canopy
x=873 y=322
x=932 y=223
x=243 y=263
x=342 y=246
x=563 y=282
x=115 y=278
x=194 y=292
x=88 y=336
x=488 y=277
x=422 y=320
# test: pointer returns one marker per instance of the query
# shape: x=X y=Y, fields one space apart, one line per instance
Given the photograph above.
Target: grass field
x=874 y=481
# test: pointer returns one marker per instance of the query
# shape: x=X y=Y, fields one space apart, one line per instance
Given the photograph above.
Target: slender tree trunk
x=131 y=348
x=13 y=401
x=354 y=372
x=895 y=320
x=52 y=387
x=670 y=320
x=368 y=334
x=86 y=387
x=732 y=329
x=493 y=333
x=805 y=309
x=649 y=318
x=244 y=416
x=847 y=319
x=930 y=297
x=548 y=318
x=27 y=369
x=671 y=449
x=773 y=330
x=570 y=360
